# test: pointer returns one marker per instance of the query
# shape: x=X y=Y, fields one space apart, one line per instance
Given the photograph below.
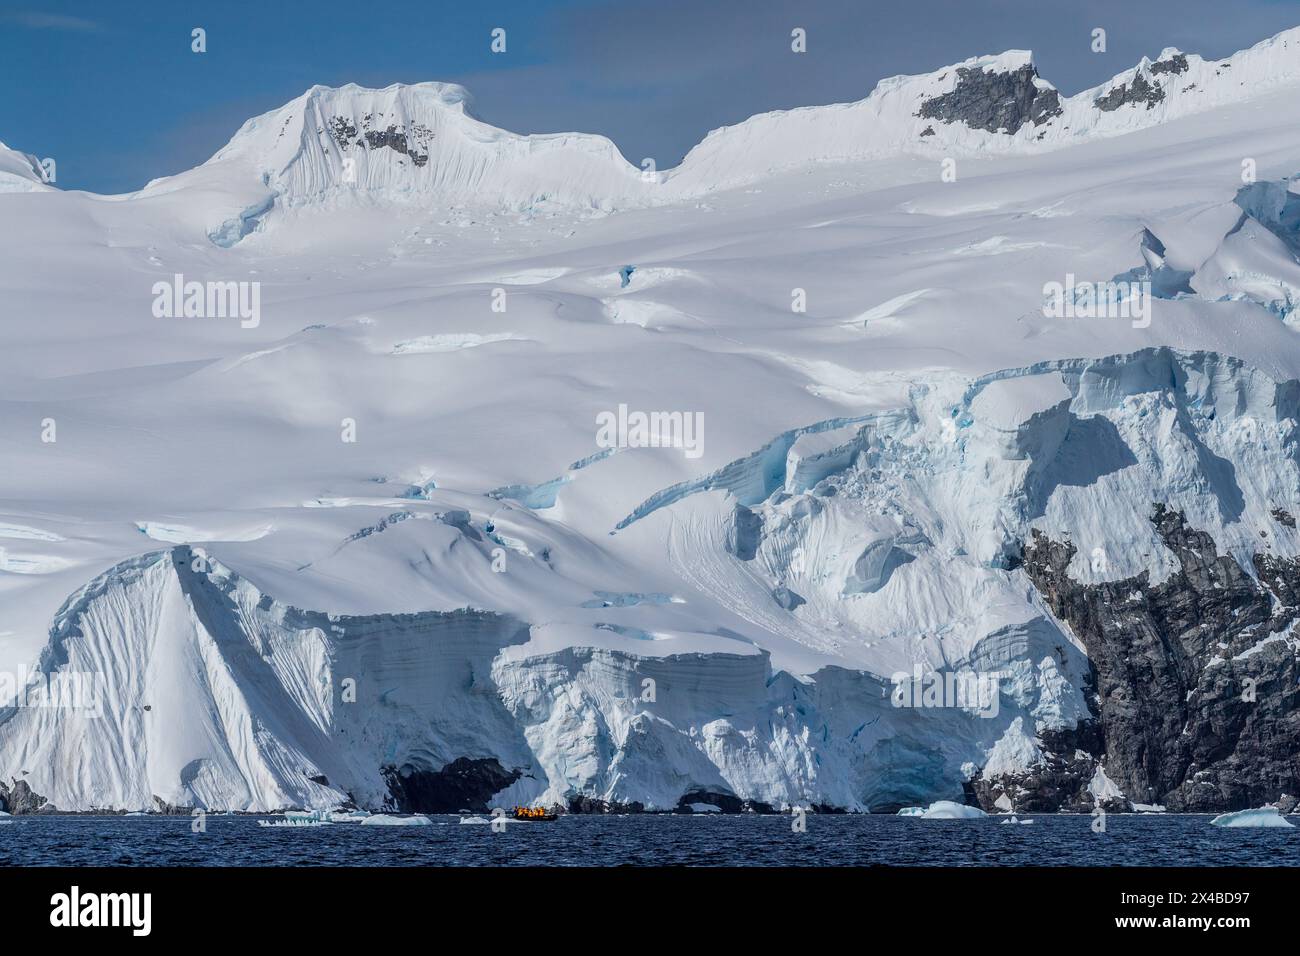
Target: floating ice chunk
x=949 y=810
x=475 y=820
x=384 y=820
x=704 y=808
x=347 y=816
x=293 y=822
x=1263 y=817
x=912 y=812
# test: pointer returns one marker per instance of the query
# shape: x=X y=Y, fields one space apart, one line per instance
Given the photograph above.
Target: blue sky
x=111 y=90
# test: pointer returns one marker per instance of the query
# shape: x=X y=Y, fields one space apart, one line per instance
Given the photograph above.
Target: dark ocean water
x=1129 y=840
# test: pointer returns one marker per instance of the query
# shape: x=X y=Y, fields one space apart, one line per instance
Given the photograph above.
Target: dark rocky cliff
x=995 y=101
x=1196 y=681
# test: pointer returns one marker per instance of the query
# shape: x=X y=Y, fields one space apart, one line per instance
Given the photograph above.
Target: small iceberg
x=348 y=816
x=1263 y=817
x=384 y=820
x=950 y=810
x=474 y=820
x=912 y=812
x=1014 y=819
x=307 y=815
x=295 y=822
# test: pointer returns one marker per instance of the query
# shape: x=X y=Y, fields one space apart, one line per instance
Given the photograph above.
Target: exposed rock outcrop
x=1062 y=783
x=1196 y=676
x=995 y=101
x=1139 y=90
x=20 y=799
x=171 y=809
x=345 y=134
x=463 y=784
x=1175 y=64
x=584 y=804
x=726 y=802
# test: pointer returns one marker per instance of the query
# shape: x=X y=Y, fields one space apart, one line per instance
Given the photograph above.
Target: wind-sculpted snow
x=750 y=479
x=20 y=172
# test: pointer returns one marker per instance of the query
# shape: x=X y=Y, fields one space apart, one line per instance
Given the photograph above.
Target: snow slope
x=895 y=117
x=331 y=552
x=19 y=172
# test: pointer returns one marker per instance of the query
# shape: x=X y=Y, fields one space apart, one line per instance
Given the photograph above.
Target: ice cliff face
x=213 y=695
x=999 y=515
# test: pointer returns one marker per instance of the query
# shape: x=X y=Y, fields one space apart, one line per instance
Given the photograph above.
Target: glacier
x=370 y=551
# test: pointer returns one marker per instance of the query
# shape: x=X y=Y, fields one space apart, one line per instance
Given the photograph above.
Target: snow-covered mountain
x=420 y=142
x=393 y=458
x=989 y=104
x=413 y=141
